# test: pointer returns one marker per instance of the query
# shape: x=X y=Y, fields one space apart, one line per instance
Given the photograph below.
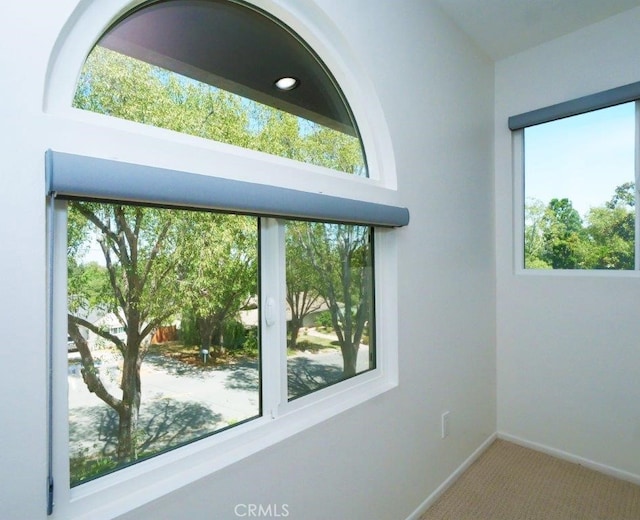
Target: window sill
x=132 y=487
x=577 y=273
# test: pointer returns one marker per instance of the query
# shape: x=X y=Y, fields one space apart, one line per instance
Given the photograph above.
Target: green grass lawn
x=313 y=344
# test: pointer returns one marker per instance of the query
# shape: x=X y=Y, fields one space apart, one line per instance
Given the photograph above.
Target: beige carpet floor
x=509 y=482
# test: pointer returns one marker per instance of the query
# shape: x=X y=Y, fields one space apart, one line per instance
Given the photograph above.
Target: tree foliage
x=160 y=264
x=302 y=293
x=138 y=250
x=562 y=227
x=556 y=237
x=123 y=87
x=340 y=257
x=217 y=269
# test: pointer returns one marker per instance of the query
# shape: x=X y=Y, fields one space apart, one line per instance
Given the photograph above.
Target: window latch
x=270 y=312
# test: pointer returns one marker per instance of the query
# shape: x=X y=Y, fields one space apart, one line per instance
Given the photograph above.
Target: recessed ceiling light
x=287 y=83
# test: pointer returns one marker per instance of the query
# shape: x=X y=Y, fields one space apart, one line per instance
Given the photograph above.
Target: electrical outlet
x=445 y=424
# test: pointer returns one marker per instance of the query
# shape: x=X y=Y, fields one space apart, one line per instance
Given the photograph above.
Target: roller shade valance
x=76 y=176
x=604 y=99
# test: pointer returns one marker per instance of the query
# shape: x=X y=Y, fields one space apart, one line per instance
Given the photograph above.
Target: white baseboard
x=451 y=479
x=602 y=468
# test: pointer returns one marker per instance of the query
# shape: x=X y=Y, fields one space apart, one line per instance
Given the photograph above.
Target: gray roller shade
x=76 y=176
x=607 y=98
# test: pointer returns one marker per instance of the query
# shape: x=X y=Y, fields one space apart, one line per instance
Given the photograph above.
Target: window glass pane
x=209 y=68
x=330 y=300
x=163 y=344
x=580 y=191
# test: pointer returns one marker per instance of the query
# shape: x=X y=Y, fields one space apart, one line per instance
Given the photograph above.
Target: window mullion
x=59 y=363
x=273 y=315
x=519 y=200
x=636 y=239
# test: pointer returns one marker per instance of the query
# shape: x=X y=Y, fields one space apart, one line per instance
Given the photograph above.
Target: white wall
x=568 y=355
x=381 y=459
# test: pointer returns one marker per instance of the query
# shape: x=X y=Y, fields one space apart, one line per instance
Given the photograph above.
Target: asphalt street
x=181 y=402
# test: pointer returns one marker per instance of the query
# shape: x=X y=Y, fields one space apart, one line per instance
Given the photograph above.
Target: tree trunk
x=294 y=325
x=127 y=424
x=216 y=336
x=205 y=328
x=350 y=358
x=129 y=411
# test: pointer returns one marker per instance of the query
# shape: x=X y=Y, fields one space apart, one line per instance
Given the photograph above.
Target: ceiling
x=241 y=50
x=235 y=48
x=505 y=27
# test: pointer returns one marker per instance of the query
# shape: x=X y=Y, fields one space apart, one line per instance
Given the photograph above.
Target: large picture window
x=165 y=320
x=164 y=324
x=222 y=264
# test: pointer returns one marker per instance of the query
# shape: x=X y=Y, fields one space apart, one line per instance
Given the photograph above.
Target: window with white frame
x=580 y=165
x=200 y=305
x=186 y=360
x=184 y=286
x=222 y=70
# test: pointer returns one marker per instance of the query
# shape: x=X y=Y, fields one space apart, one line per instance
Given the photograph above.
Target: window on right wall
x=579 y=191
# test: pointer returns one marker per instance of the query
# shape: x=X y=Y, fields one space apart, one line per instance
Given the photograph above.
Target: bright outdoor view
x=159 y=353
x=164 y=324
x=164 y=343
x=580 y=191
x=117 y=85
x=330 y=301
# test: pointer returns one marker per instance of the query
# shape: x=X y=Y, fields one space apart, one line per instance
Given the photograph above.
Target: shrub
x=233 y=334
x=324 y=320
x=188 y=333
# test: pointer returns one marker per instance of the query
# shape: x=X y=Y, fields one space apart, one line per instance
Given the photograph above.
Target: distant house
x=113 y=324
x=109 y=322
x=250 y=318
x=92 y=316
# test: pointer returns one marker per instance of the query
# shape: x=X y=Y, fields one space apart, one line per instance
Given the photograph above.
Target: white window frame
x=122 y=490
x=517 y=124
x=84 y=133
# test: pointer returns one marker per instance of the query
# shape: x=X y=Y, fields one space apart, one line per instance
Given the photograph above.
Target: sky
x=582 y=158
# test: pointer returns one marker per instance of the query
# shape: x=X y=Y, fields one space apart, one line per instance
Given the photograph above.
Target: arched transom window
x=225 y=71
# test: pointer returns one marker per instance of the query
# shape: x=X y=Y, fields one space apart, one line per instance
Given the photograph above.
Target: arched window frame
x=78 y=132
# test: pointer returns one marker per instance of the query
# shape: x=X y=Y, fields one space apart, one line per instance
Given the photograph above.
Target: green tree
x=88 y=286
x=277 y=132
x=623 y=197
x=139 y=260
x=562 y=235
x=534 y=214
x=336 y=150
x=286 y=135
x=119 y=86
x=611 y=230
x=340 y=256
x=302 y=294
x=217 y=269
